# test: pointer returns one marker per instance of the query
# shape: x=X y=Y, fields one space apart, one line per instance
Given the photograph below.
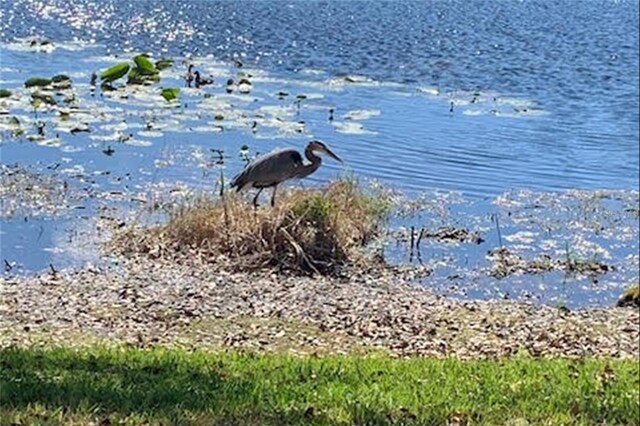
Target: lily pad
x=170 y=93
x=60 y=78
x=163 y=63
x=37 y=82
x=115 y=72
x=135 y=77
x=144 y=65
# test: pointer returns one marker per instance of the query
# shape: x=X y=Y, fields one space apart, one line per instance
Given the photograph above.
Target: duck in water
x=202 y=81
x=189 y=78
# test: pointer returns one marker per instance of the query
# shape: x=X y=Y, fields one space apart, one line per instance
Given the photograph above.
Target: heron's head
x=316 y=145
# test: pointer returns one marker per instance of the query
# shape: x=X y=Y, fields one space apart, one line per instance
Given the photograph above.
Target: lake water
x=468 y=103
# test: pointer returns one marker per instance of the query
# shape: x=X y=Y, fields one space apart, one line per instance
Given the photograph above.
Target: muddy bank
x=146 y=303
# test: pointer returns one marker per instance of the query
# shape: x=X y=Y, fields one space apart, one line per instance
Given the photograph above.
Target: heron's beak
x=332 y=155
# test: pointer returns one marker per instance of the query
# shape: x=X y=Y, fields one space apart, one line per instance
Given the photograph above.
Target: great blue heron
x=269 y=170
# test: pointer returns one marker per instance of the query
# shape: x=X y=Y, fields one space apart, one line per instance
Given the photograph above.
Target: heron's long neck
x=307 y=169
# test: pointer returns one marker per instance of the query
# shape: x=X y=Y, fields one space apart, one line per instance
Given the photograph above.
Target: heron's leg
x=273 y=196
x=255 y=199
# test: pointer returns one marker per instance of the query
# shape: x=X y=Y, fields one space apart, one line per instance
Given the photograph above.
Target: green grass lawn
x=109 y=386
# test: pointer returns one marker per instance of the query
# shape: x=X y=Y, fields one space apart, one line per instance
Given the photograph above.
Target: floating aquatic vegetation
x=37 y=82
x=144 y=72
x=170 y=94
x=448 y=233
x=27 y=193
x=115 y=72
x=144 y=65
x=61 y=81
x=163 y=64
x=505 y=262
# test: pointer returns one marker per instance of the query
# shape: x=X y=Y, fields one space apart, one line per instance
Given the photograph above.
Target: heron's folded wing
x=270 y=169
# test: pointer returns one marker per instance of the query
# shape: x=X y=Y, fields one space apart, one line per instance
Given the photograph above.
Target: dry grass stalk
x=309 y=230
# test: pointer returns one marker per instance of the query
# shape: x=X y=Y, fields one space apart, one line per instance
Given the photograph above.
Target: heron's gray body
x=277 y=166
x=269 y=170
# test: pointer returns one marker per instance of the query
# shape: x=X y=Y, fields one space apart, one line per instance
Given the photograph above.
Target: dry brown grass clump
x=309 y=230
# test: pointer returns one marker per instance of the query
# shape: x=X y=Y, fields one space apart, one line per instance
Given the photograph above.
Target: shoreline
x=146 y=302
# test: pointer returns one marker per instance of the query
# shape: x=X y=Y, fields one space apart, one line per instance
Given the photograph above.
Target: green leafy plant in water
x=4 y=93
x=37 y=82
x=115 y=72
x=144 y=71
x=144 y=65
x=164 y=63
x=170 y=93
x=135 y=77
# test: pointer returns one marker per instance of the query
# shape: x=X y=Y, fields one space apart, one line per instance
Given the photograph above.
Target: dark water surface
x=481 y=98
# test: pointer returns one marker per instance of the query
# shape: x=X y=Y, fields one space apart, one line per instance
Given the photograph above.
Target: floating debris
x=448 y=233
x=44 y=98
x=505 y=263
x=25 y=193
